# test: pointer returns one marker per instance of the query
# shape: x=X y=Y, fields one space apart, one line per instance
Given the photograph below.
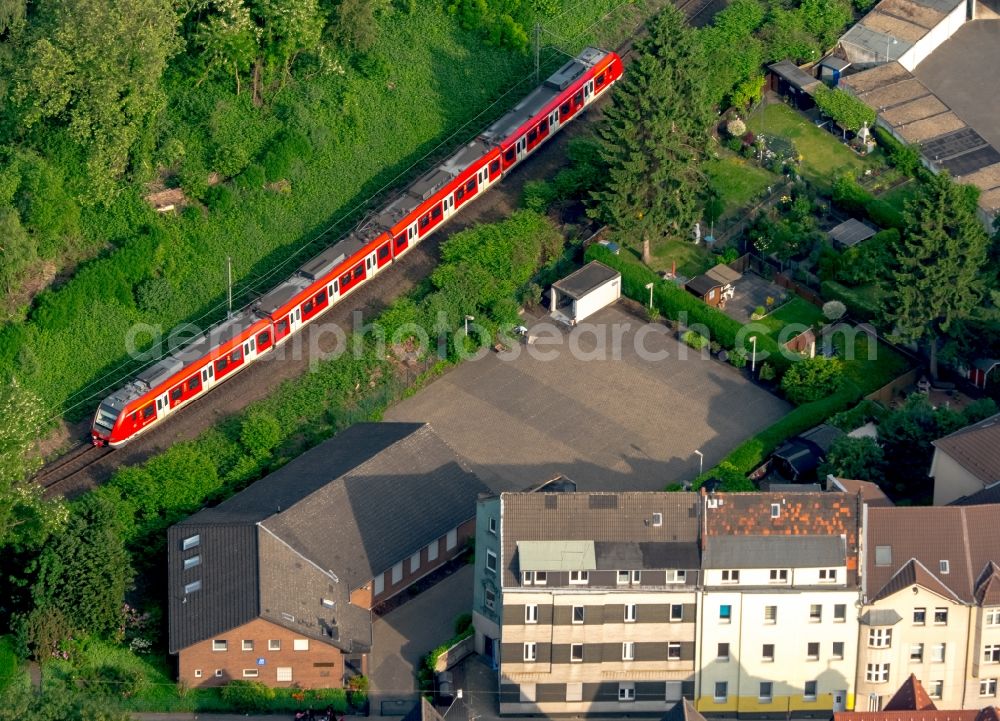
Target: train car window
x=176 y=393
x=460 y=193
x=495 y=167
x=532 y=135
x=564 y=109
x=470 y=186
x=264 y=338
x=401 y=240
x=543 y=126
x=578 y=98
x=599 y=80
x=282 y=326
x=221 y=364
x=321 y=297
x=345 y=279
x=425 y=221
x=147 y=411
x=236 y=355
x=359 y=271
x=510 y=155
x=307 y=306
x=383 y=252
x=436 y=213
x=194 y=384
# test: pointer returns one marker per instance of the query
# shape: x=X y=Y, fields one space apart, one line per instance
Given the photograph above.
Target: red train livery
x=323 y=281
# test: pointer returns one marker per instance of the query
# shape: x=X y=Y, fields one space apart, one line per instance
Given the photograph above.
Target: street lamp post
x=753 y=358
x=467 y=319
x=649 y=287
x=701 y=461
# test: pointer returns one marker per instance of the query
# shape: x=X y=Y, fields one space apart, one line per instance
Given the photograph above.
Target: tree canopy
x=849 y=112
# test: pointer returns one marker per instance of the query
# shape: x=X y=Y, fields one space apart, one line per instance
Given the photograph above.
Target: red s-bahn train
x=231 y=345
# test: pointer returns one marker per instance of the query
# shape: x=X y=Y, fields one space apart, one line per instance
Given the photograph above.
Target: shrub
x=694 y=339
x=537 y=195
x=834 y=309
x=260 y=433
x=734 y=144
x=252 y=178
x=904 y=158
x=812 y=379
x=247 y=696
x=758 y=312
x=766 y=372
x=219 y=198
x=738 y=358
x=736 y=128
x=858 y=305
x=854 y=458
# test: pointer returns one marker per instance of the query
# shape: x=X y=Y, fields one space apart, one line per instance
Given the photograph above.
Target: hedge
x=852 y=198
x=859 y=307
x=678 y=305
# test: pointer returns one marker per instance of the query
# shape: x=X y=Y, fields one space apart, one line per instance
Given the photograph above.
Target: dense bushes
x=854 y=199
x=247 y=695
x=859 y=305
x=812 y=379
x=904 y=158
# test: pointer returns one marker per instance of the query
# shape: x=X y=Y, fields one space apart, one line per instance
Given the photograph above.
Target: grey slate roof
x=318 y=527
x=774 y=552
x=880 y=617
x=851 y=232
x=683 y=710
x=578 y=283
x=620 y=524
x=794 y=75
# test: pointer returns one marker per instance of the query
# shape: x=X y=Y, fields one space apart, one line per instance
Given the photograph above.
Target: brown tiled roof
x=970 y=715
x=802 y=514
x=965 y=536
x=976 y=448
x=910 y=697
x=870 y=492
x=600 y=517
x=988 y=586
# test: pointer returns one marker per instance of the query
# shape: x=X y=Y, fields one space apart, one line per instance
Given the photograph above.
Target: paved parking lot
x=609 y=419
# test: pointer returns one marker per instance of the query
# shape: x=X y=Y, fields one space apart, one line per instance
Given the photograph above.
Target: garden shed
x=850 y=233
x=715 y=286
x=831 y=68
x=788 y=79
x=584 y=292
x=798 y=458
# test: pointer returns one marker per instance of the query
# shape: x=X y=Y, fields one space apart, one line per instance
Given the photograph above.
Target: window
x=564 y=110
x=940 y=616
x=657 y=519
x=490 y=599
x=838 y=650
x=493 y=525
x=988 y=687
x=190 y=542
x=300 y=644
x=250 y=673
x=532 y=135
x=470 y=185
x=218 y=673
x=147 y=412
x=993 y=616
x=576 y=652
x=937 y=653
x=328 y=603
x=779 y=575
x=722 y=654
x=491 y=561
x=383 y=252
x=770 y=614
x=176 y=393
x=919 y=616
x=767 y=653
x=676 y=612
x=283 y=674
x=676 y=576
x=628 y=651
x=194 y=383
x=636 y=577
x=415 y=562
x=943 y=566
x=247 y=645
x=578 y=612
x=883 y=555
x=379 y=583
x=432 y=551
x=622 y=577
x=879 y=637
x=730 y=576
x=397 y=572
x=721 y=691
x=991 y=654
x=531 y=613
x=426 y=220
x=877 y=672
x=599 y=80
x=494 y=167
x=530 y=651
x=725 y=613
x=810 y=691
x=626 y=692
x=197 y=673
x=579 y=578
x=274 y=644
x=775 y=510
x=815 y=613
x=630 y=609
x=936 y=689
x=220 y=645
x=766 y=689
x=574 y=692
x=917 y=652
x=828 y=575
x=510 y=155
x=436 y=212
x=839 y=612
x=812 y=651
x=192 y=587
x=673 y=651
x=400 y=240
x=541 y=577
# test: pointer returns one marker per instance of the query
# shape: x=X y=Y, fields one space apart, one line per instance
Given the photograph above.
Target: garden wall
x=455 y=653
x=800 y=290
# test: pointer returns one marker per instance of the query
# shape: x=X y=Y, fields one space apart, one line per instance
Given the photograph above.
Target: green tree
x=785 y=37
x=18 y=252
x=860 y=458
x=12 y=16
x=736 y=53
x=225 y=37
x=906 y=436
x=936 y=275
x=849 y=112
x=85 y=571
x=654 y=136
x=95 y=67
x=812 y=379
x=825 y=19
x=354 y=24
x=288 y=27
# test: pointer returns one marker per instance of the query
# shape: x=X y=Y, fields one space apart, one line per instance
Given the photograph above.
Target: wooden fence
x=886 y=393
x=800 y=290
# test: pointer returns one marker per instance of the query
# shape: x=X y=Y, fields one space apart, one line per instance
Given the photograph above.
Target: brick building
x=277 y=583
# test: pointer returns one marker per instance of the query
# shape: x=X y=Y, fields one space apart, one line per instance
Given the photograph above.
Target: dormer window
x=944 y=566
x=775 y=510
x=828 y=575
x=730 y=576
x=657 y=519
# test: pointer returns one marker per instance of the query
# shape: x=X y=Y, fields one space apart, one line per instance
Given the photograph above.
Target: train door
x=588 y=92
x=371 y=264
x=448 y=206
x=522 y=146
x=483 y=178
x=162 y=405
x=208 y=376
x=295 y=318
x=331 y=289
x=250 y=349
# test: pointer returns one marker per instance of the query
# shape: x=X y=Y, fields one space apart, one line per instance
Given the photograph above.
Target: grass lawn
x=737 y=180
x=898 y=196
x=871 y=374
x=796 y=310
x=824 y=157
x=691 y=259
x=10 y=667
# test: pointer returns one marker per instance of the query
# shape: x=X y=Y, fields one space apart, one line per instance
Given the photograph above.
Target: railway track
x=56 y=474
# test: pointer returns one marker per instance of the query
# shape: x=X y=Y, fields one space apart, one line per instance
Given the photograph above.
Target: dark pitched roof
x=617 y=523
x=775 y=552
x=791 y=73
x=910 y=697
x=989 y=494
x=683 y=710
x=988 y=586
x=320 y=526
x=800 y=514
x=578 y=283
x=964 y=536
x=976 y=448
x=701 y=284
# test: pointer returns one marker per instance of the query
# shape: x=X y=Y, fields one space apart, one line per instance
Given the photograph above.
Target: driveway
x=404 y=635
